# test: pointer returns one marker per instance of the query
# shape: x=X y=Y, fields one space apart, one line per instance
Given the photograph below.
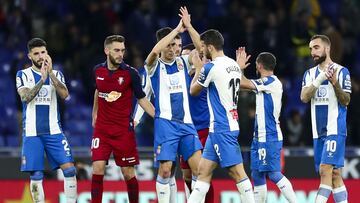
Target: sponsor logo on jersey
x=110 y=97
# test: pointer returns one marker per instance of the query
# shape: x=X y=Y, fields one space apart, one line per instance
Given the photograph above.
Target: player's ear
x=106 y=50
x=28 y=55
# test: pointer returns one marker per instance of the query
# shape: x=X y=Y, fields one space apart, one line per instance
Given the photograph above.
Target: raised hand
x=44 y=71
x=330 y=73
x=180 y=27
x=185 y=16
x=197 y=62
x=48 y=63
x=242 y=58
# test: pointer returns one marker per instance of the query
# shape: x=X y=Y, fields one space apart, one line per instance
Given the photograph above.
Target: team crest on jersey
x=121 y=80
x=179 y=64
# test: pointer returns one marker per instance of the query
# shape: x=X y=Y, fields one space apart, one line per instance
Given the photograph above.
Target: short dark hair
x=35 y=42
x=213 y=37
x=162 y=32
x=267 y=59
x=189 y=47
x=323 y=38
x=113 y=38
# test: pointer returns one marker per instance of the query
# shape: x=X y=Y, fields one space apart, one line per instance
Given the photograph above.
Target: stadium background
x=75 y=30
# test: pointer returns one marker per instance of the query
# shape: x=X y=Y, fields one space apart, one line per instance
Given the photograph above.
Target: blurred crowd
x=75 y=31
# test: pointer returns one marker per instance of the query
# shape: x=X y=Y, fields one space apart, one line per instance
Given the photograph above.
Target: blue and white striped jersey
x=328 y=116
x=222 y=77
x=169 y=82
x=268 y=106
x=40 y=116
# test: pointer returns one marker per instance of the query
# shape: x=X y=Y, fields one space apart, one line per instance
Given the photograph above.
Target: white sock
x=37 y=191
x=340 y=194
x=260 y=193
x=70 y=189
x=286 y=189
x=163 y=189
x=193 y=181
x=173 y=190
x=323 y=193
x=199 y=192
x=245 y=189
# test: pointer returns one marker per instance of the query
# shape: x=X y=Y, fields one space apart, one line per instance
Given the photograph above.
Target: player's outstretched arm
x=195 y=87
x=60 y=87
x=194 y=35
x=147 y=106
x=95 y=108
x=242 y=59
x=155 y=52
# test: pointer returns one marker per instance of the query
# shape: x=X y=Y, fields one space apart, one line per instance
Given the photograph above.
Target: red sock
x=96 y=188
x=210 y=195
x=133 y=190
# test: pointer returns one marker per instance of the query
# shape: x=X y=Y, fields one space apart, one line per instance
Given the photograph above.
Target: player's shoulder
x=24 y=71
x=341 y=68
x=99 y=66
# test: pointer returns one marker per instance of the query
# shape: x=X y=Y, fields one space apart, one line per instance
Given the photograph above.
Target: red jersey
x=117 y=89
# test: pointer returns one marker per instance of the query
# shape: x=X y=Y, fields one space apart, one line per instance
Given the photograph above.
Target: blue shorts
x=56 y=147
x=329 y=150
x=173 y=138
x=223 y=148
x=265 y=156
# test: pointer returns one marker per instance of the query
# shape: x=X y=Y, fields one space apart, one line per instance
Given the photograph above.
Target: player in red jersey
x=116 y=85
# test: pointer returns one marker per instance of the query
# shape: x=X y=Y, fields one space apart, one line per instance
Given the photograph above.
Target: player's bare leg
x=70 y=185
x=131 y=183
x=237 y=172
x=162 y=182
x=97 y=181
x=339 y=190
x=202 y=185
x=325 y=188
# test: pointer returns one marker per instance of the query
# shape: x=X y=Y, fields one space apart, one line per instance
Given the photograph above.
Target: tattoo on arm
x=29 y=94
x=343 y=97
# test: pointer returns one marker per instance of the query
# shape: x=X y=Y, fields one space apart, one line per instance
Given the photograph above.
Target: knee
x=325 y=171
x=336 y=173
x=165 y=170
x=98 y=168
x=275 y=176
x=69 y=172
x=128 y=173
x=36 y=175
x=258 y=177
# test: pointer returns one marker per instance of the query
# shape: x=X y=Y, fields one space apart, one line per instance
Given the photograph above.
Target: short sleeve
x=136 y=84
x=205 y=76
x=306 y=82
x=21 y=80
x=263 y=84
x=345 y=80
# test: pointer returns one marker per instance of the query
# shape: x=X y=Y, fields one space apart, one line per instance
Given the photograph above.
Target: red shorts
x=203 y=134
x=123 y=148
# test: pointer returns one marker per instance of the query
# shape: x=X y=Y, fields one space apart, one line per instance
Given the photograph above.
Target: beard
x=113 y=61
x=38 y=63
x=320 y=59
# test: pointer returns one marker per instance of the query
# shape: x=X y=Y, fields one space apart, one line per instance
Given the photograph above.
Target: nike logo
x=100 y=78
